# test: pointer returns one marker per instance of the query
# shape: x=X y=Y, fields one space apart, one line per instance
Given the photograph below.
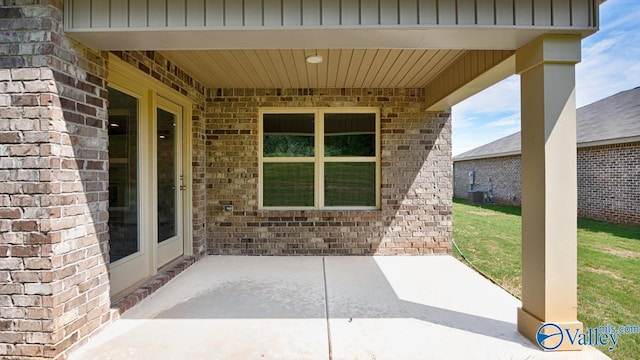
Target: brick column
x=54 y=288
x=198 y=166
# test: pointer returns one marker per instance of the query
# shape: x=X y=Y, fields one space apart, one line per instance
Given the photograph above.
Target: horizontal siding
x=86 y=14
x=466 y=68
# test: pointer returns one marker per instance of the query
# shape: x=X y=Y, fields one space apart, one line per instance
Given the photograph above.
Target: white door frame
x=131 y=270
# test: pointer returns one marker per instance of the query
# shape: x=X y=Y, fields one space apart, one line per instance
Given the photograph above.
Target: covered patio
x=144 y=132
x=228 y=307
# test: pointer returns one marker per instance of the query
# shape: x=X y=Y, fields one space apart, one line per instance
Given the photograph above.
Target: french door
x=147 y=181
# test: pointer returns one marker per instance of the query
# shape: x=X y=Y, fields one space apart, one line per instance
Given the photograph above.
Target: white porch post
x=549 y=184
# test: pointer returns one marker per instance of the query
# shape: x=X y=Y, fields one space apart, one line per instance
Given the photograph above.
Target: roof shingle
x=614 y=119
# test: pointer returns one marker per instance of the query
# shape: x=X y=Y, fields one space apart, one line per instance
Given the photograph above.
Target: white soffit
x=341 y=68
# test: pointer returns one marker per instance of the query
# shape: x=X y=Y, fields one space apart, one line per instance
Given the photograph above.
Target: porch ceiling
x=341 y=68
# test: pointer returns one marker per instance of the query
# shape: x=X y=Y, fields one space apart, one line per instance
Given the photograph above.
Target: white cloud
x=598 y=49
x=610 y=64
x=464 y=144
x=501 y=97
x=460 y=121
x=513 y=119
x=607 y=69
x=614 y=15
x=610 y=58
x=509 y=131
x=477 y=120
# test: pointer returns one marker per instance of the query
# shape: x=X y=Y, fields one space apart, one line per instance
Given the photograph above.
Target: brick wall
x=608 y=181
x=54 y=286
x=53 y=190
x=198 y=176
x=415 y=217
x=501 y=175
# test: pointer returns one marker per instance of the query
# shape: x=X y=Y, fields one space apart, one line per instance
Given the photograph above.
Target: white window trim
x=319 y=158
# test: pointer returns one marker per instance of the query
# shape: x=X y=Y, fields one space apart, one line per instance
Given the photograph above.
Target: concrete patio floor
x=227 y=307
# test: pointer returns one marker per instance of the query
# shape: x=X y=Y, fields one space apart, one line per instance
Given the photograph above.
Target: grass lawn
x=608 y=264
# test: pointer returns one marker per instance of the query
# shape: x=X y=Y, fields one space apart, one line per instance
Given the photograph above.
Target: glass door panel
x=124 y=229
x=129 y=242
x=168 y=184
x=169 y=181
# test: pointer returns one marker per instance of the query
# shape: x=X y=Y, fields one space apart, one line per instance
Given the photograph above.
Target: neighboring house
x=608 y=155
x=138 y=133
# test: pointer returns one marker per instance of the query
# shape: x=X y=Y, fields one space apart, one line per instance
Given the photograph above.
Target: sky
x=610 y=64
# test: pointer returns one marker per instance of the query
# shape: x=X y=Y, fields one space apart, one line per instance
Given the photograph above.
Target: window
x=320 y=158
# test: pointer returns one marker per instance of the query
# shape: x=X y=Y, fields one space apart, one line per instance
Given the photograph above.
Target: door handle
x=183 y=187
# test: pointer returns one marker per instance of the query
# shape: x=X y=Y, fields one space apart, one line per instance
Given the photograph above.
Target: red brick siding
x=415 y=217
x=54 y=185
x=199 y=185
x=54 y=289
x=501 y=175
x=608 y=181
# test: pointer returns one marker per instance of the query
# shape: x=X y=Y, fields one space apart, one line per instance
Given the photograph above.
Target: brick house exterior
x=415 y=216
x=608 y=185
x=608 y=167
x=54 y=279
x=500 y=175
x=59 y=284
x=54 y=250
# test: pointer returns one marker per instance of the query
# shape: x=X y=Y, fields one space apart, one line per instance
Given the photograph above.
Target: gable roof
x=612 y=120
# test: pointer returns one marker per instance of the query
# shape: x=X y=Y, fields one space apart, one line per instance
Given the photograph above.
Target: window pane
x=288 y=135
x=288 y=184
x=123 y=175
x=350 y=184
x=349 y=134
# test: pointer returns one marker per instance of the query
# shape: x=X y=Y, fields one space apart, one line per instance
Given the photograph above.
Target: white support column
x=549 y=184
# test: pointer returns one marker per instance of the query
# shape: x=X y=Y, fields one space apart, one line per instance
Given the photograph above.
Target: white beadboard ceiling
x=341 y=68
